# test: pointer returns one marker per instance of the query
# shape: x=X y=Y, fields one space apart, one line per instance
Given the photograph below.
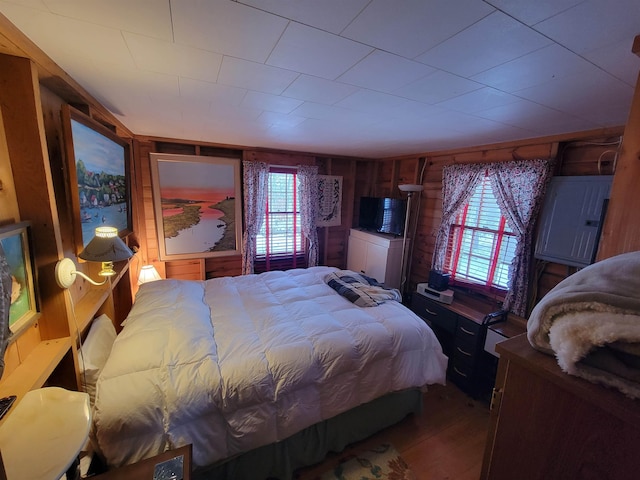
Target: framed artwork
x=98 y=170
x=197 y=206
x=329 y=201
x=15 y=246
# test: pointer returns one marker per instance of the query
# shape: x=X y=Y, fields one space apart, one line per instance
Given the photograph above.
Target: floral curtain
x=458 y=183
x=308 y=178
x=519 y=190
x=255 y=180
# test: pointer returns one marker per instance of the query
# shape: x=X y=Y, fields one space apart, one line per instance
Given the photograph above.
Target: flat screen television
x=384 y=215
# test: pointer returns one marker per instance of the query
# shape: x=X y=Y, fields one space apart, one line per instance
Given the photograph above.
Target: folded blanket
x=591 y=322
x=359 y=289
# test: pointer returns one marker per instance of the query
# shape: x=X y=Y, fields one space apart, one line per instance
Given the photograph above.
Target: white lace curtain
x=255 y=183
x=519 y=188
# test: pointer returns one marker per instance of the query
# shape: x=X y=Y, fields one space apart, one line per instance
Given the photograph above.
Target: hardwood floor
x=445 y=442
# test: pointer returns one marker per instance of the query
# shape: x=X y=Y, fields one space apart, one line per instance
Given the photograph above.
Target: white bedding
x=235 y=363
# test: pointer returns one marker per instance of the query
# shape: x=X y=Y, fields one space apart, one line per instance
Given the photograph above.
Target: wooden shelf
x=34 y=371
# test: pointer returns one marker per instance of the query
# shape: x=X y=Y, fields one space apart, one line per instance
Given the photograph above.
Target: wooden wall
x=333 y=240
x=588 y=153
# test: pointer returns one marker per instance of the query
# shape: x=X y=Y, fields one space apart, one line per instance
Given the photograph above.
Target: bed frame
x=311 y=445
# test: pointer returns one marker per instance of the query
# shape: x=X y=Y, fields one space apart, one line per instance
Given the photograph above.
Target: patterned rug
x=382 y=462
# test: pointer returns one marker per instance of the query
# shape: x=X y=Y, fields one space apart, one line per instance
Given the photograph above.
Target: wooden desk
x=546 y=424
x=143 y=470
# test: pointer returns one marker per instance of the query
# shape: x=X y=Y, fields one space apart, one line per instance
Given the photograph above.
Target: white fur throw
x=591 y=322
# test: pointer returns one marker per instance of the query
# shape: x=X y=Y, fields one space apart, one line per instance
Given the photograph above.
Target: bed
x=271 y=370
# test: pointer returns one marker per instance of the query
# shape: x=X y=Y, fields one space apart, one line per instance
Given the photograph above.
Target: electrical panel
x=572 y=218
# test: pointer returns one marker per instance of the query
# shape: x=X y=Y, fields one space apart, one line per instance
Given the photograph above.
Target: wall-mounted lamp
x=148 y=273
x=106 y=247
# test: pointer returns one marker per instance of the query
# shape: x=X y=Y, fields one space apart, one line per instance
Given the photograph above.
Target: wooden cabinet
x=546 y=424
x=145 y=469
x=376 y=255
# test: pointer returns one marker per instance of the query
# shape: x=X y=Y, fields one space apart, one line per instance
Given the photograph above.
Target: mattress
x=235 y=363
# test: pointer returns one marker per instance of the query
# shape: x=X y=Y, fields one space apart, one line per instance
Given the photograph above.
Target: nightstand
x=143 y=470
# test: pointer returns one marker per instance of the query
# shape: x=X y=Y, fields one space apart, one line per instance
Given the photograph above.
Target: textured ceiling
x=371 y=78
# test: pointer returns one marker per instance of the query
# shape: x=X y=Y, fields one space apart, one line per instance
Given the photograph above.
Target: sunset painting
x=196 y=204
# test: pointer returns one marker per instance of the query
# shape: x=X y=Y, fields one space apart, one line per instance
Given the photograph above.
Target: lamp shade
x=409 y=187
x=106 y=246
x=148 y=273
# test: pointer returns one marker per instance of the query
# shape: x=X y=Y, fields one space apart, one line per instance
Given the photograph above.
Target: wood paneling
x=621 y=231
x=589 y=153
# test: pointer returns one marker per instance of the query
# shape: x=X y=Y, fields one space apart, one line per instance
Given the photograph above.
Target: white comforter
x=234 y=363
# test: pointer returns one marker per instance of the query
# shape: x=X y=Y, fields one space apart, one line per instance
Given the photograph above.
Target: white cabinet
x=571 y=219
x=376 y=255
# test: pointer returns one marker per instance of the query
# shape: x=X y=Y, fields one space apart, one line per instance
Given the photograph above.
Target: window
x=280 y=244
x=481 y=245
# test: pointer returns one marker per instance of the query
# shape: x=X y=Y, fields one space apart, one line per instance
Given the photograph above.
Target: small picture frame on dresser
x=172 y=469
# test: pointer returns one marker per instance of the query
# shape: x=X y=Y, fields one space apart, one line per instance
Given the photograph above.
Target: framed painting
x=98 y=170
x=329 y=201
x=197 y=205
x=15 y=246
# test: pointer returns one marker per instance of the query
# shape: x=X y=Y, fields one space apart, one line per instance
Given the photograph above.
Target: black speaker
x=438 y=280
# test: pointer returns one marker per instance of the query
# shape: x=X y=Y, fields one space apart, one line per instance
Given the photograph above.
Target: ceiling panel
x=365 y=77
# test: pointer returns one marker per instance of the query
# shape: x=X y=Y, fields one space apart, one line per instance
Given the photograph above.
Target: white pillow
x=95 y=352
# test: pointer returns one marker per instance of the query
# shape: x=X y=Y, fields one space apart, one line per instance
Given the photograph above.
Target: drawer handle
x=430 y=312
x=460 y=373
x=468 y=332
x=463 y=352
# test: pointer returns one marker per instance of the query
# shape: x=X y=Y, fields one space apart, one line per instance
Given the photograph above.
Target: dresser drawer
x=468 y=332
x=435 y=313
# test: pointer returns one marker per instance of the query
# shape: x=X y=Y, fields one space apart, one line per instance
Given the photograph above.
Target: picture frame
x=98 y=170
x=15 y=241
x=329 y=201
x=197 y=205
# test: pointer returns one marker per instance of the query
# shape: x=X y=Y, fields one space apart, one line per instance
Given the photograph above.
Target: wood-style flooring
x=445 y=442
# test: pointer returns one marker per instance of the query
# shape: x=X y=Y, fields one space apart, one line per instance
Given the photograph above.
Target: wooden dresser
x=546 y=424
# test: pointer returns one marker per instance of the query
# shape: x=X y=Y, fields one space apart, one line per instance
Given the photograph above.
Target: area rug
x=382 y=462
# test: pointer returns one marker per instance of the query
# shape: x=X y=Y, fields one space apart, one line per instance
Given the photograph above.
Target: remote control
x=5 y=404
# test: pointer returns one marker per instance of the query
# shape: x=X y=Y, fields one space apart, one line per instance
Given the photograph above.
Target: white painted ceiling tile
x=226 y=27
x=330 y=15
x=372 y=102
x=166 y=57
x=438 y=87
x=211 y=92
x=271 y=103
x=384 y=72
x=314 y=52
x=480 y=99
x=409 y=28
x=331 y=113
x=609 y=98
x=539 y=67
x=617 y=59
x=281 y=119
x=494 y=40
x=147 y=17
x=532 y=12
x=161 y=74
x=255 y=76
x=596 y=23
x=314 y=89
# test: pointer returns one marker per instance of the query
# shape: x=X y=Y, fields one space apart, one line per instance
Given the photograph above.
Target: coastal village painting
x=101 y=180
x=196 y=207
